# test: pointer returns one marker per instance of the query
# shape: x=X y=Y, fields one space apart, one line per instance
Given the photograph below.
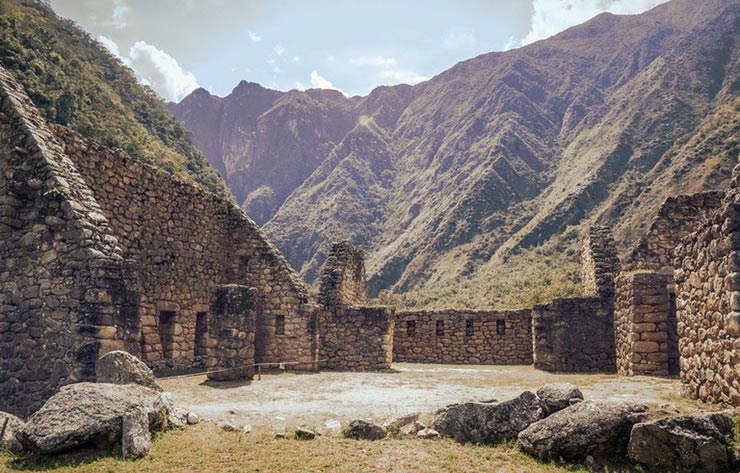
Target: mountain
x=76 y=82
x=471 y=188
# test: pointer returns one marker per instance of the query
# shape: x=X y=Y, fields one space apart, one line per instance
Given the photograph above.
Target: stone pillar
x=645 y=324
x=343 y=281
x=233 y=323
x=599 y=263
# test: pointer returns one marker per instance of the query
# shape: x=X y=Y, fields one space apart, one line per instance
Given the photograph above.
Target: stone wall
x=356 y=338
x=343 y=280
x=63 y=297
x=677 y=218
x=574 y=335
x=182 y=242
x=599 y=263
x=645 y=324
x=233 y=327
x=708 y=304
x=464 y=336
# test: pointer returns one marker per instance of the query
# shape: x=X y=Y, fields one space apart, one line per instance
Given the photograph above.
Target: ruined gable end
x=343 y=281
x=599 y=262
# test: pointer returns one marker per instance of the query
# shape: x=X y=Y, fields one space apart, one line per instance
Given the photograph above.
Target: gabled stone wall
x=63 y=294
x=676 y=220
x=708 y=304
x=343 y=280
x=182 y=242
x=599 y=263
x=464 y=336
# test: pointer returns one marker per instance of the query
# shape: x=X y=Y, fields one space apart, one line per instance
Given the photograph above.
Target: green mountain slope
x=76 y=82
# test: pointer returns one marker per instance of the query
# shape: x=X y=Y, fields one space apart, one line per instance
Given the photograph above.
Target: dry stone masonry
x=600 y=263
x=230 y=354
x=464 y=336
x=343 y=281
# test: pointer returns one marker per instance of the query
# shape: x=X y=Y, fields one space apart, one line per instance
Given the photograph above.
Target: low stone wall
x=574 y=335
x=645 y=325
x=464 y=336
x=356 y=338
x=232 y=331
x=708 y=305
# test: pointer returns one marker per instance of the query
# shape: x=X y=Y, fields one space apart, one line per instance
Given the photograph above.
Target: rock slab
x=119 y=367
x=86 y=413
x=477 y=422
x=691 y=443
x=590 y=428
x=9 y=425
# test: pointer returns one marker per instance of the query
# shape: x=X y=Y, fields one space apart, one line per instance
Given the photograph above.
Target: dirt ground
x=328 y=400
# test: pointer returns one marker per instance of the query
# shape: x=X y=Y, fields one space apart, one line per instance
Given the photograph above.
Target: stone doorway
x=167 y=333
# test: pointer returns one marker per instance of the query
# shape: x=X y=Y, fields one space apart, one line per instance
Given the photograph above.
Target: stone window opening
x=500 y=327
x=440 y=328
x=167 y=333
x=201 y=329
x=410 y=328
x=469 y=328
x=279 y=325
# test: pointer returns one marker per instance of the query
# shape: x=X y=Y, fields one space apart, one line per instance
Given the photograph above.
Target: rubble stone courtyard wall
x=464 y=336
x=182 y=242
x=708 y=304
x=356 y=338
x=63 y=297
x=574 y=335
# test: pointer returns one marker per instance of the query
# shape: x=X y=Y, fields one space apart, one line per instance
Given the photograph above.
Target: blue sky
x=177 y=45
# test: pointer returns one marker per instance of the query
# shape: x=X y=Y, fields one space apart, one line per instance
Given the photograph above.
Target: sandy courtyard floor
x=281 y=400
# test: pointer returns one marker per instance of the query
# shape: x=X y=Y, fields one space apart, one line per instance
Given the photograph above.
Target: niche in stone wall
x=440 y=328
x=280 y=325
x=201 y=331
x=167 y=333
x=500 y=327
x=469 y=328
x=410 y=328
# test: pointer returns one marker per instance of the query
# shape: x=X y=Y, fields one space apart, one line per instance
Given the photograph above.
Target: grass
x=207 y=448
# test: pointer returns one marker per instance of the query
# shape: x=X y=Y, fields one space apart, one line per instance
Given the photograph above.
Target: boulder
x=394 y=425
x=9 y=425
x=119 y=367
x=304 y=434
x=411 y=429
x=558 y=396
x=691 y=443
x=136 y=440
x=362 y=430
x=589 y=428
x=478 y=422
x=428 y=434
x=86 y=413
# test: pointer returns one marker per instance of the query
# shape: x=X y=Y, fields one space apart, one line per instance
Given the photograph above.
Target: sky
x=176 y=46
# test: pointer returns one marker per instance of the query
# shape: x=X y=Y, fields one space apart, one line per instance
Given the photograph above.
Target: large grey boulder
x=119 y=367
x=362 y=430
x=477 y=422
x=691 y=443
x=590 y=428
x=557 y=396
x=9 y=425
x=90 y=413
x=136 y=439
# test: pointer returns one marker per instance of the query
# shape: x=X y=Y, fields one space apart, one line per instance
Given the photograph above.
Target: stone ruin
x=101 y=253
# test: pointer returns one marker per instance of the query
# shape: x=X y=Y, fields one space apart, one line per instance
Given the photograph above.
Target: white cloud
x=296 y=59
x=111 y=46
x=120 y=12
x=458 y=38
x=279 y=49
x=254 y=36
x=511 y=43
x=160 y=70
x=550 y=17
x=318 y=82
x=330 y=58
x=378 y=61
x=403 y=77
